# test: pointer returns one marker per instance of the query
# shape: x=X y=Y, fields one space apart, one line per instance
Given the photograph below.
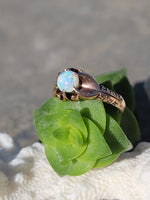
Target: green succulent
x=86 y=134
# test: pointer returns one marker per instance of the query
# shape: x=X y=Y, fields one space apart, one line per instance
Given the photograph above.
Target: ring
x=73 y=84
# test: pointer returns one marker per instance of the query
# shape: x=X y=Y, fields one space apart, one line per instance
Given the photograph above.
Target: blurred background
x=39 y=38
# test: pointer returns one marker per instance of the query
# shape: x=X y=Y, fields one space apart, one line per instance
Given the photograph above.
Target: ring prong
x=76 y=90
x=64 y=91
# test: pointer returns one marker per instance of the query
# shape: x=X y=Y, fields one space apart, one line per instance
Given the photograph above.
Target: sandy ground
x=39 y=38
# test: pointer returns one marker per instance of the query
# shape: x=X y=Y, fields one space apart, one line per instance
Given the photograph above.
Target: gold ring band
x=73 y=84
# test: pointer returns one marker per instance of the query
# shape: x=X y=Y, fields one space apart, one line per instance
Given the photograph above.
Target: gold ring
x=73 y=84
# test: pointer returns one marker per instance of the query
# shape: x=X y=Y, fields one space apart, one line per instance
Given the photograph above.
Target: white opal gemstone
x=67 y=80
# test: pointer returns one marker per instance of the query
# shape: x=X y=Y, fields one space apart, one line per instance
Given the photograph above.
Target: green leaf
x=76 y=139
x=96 y=148
x=116 y=140
x=62 y=135
x=54 y=160
x=46 y=123
x=113 y=112
x=80 y=167
x=73 y=167
x=68 y=136
x=114 y=77
x=91 y=109
x=68 y=152
x=50 y=105
x=130 y=126
x=108 y=85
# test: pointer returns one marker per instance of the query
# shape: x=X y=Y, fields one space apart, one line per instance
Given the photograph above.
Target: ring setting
x=74 y=84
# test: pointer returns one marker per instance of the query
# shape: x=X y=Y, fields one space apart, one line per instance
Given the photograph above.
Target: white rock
x=6 y=142
x=28 y=176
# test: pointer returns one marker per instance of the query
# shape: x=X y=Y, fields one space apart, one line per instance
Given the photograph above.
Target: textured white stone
x=28 y=176
x=6 y=141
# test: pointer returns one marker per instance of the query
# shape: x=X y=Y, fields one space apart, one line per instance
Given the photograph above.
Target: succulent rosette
x=81 y=135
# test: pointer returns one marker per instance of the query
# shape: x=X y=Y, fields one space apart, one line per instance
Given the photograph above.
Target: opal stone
x=67 y=80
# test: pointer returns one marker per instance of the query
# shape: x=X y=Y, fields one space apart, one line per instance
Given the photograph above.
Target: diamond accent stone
x=67 y=80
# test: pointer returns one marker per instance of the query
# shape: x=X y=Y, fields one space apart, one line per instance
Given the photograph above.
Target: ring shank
x=112 y=98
